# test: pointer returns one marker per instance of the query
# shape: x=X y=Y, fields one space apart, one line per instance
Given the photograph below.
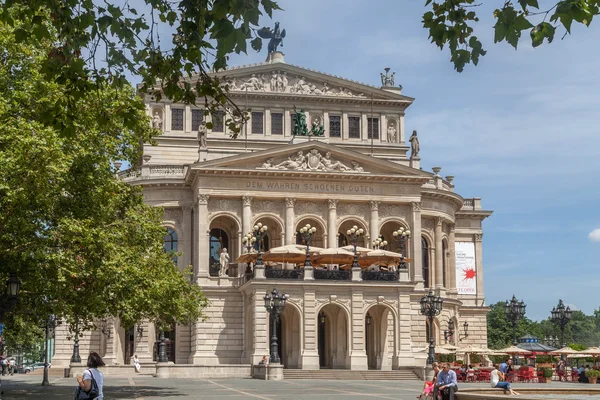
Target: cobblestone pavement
x=147 y=387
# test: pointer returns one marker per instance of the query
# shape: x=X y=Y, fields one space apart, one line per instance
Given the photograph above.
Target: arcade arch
x=380 y=337
x=318 y=239
x=332 y=337
x=345 y=225
x=223 y=235
x=274 y=235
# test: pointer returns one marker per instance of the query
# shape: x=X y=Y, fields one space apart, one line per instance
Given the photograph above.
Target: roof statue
x=275 y=35
x=387 y=79
x=414 y=145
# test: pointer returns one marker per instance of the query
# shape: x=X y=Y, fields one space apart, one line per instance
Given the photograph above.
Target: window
x=217 y=121
x=218 y=240
x=444 y=257
x=177 y=119
x=373 y=128
x=264 y=244
x=425 y=261
x=354 y=127
x=197 y=116
x=335 y=126
x=342 y=240
x=276 y=124
x=170 y=243
x=257 y=122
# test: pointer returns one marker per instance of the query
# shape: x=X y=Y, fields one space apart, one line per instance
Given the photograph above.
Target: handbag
x=93 y=393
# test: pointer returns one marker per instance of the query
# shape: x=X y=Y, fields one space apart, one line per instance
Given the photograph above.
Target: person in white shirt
x=136 y=363
x=85 y=382
x=496 y=378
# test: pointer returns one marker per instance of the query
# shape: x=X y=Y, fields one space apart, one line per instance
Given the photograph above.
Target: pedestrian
x=136 y=364
x=11 y=366
x=446 y=383
x=428 y=385
x=496 y=378
x=91 y=377
x=4 y=364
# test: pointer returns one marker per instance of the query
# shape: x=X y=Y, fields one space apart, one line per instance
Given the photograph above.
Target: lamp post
x=274 y=304
x=431 y=305
x=401 y=235
x=451 y=331
x=75 y=358
x=561 y=316
x=307 y=233
x=353 y=234
x=8 y=301
x=380 y=243
x=248 y=244
x=256 y=236
x=49 y=325
x=515 y=310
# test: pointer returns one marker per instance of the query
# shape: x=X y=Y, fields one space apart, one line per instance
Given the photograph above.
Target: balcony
x=384 y=276
x=339 y=275
x=271 y=273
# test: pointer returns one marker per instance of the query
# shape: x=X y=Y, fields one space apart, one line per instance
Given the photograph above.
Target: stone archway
x=318 y=239
x=224 y=234
x=387 y=230
x=290 y=349
x=332 y=337
x=380 y=337
x=274 y=236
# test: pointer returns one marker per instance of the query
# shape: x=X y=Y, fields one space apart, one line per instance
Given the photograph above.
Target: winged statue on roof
x=276 y=35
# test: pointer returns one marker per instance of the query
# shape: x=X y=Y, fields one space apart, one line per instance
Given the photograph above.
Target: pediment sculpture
x=280 y=82
x=311 y=161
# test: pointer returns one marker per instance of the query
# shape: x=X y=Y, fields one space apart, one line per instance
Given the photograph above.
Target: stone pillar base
x=203 y=359
x=403 y=275
x=415 y=162
x=162 y=370
x=271 y=372
x=259 y=272
x=405 y=359
x=359 y=362
x=310 y=360
x=309 y=274
x=356 y=275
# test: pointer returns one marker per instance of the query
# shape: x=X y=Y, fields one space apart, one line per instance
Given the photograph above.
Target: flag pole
x=372 y=125
x=246 y=124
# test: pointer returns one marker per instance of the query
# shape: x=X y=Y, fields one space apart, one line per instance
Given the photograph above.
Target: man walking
x=446 y=383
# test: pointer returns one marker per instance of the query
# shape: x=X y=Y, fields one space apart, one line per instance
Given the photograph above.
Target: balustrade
x=335 y=275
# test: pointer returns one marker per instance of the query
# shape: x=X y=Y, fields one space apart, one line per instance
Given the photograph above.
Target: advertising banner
x=466 y=272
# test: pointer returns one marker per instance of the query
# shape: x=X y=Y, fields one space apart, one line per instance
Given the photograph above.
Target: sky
x=520 y=130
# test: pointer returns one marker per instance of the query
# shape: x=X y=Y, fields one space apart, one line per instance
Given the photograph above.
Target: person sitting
x=428 y=385
x=446 y=383
x=264 y=361
x=496 y=378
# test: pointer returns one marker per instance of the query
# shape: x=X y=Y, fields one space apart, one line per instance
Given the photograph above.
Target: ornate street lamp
x=248 y=242
x=8 y=301
x=162 y=348
x=75 y=358
x=307 y=233
x=380 y=243
x=451 y=330
x=431 y=306
x=49 y=326
x=515 y=310
x=353 y=234
x=274 y=304
x=561 y=316
x=402 y=235
x=466 y=328
x=254 y=238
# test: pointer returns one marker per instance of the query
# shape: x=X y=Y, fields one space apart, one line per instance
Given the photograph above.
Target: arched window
x=342 y=240
x=425 y=260
x=218 y=240
x=265 y=244
x=170 y=243
x=444 y=261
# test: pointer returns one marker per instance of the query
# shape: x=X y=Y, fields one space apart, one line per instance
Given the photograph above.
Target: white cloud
x=594 y=235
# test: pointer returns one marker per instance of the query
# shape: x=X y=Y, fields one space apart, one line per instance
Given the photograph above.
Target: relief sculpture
x=312 y=161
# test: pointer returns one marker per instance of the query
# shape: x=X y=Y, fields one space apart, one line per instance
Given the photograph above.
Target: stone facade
x=216 y=193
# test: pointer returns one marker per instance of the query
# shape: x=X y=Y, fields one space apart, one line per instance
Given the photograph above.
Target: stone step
x=345 y=374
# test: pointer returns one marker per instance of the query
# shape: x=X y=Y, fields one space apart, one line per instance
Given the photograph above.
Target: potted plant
x=592 y=375
x=546 y=374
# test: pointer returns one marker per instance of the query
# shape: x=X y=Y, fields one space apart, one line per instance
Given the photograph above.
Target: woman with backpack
x=92 y=381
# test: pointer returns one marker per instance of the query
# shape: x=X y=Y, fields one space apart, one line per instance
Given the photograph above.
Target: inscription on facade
x=311 y=187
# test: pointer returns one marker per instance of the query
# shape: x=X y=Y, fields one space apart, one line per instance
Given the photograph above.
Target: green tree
x=83 y=242
x=451 y=23
x=500 y=329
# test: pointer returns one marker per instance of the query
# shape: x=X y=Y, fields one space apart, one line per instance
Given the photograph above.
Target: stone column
x=187 y=236
x=202 y=237
x=439 y=253
x=246 y=214
x=374 y=222
x=452 y=260
x=358 y=350
x=260 y=335
x=331 y=224
x=310 y=354
x=479 y=267
x=289 y=220
x=404 y=356
x=415 y=245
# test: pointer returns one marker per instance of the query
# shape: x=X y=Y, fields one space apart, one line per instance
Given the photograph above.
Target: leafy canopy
x=83 y=242
x=450 y=22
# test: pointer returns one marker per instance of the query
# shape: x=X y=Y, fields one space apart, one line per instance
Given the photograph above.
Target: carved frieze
x=280 y=82
x=311 y=161
x=310 y=208
x=427 y=224
x=267 y=206
x=393 y=210
x=173 y=214
x=216 y=205
x=352 y=209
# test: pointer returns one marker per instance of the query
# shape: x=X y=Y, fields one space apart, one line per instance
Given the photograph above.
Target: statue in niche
x=202 y=134
x=276 y=35
x=298 y=163
x=414 y=145
x=157 y=122
x=223 y=262
x=332 y=165
x=391 y=132
x=317 y=127
x=300 y=128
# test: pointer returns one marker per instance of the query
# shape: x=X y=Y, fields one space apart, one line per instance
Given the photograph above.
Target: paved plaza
x=147 y=387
